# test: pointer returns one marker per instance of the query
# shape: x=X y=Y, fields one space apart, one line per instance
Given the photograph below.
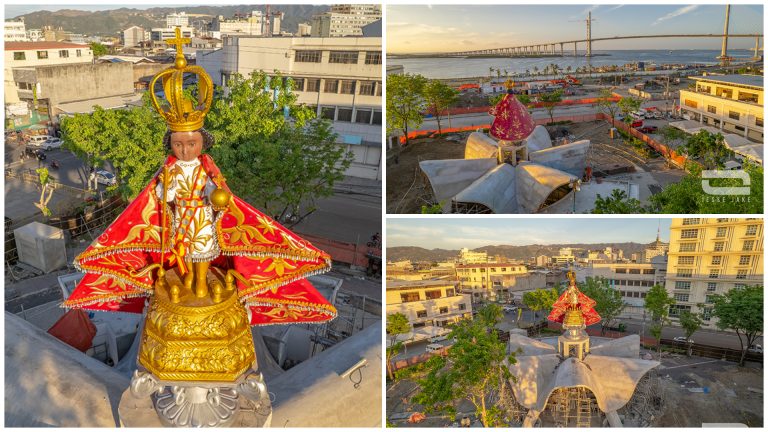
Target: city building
x=160 y=34
x=428 y=303
x=345 y=20
x=565 y=256
x=467 y=256
x=15 y=31
x=498 y=281
x=542 y=261
x=177 y=20
x=34 y=35
x=731 y=103
x=304 y=30
x=133 y=36
x=658 y=248
x=339 y=78
x=712 y=256
x=250 y=25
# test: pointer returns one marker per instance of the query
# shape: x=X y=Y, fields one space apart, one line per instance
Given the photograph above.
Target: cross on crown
x=178 y=41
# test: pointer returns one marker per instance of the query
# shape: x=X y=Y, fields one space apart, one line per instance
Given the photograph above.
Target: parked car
x=648 y=129
x=33 y=153
x=637 y=124
x=435 y=348
x=658 y=115
x=38 y=140
x=638 y=114
x=756 y=349
x=105 y=178
x=510 y=309
x=52 y=143
x=435 y=339
x=683 y=339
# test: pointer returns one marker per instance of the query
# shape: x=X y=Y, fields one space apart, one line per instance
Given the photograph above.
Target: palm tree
x=555 y=69
x=535 y=70
x=527 y=72
x=490 y=73
x=568 y=69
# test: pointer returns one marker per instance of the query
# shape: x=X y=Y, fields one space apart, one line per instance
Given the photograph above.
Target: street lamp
x=576 y=186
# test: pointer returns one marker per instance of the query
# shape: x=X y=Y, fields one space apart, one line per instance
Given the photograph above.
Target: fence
x=29 y=175
x=671 y=155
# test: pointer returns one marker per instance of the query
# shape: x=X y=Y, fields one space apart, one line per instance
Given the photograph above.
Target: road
x=478 y=119
x=704 y=337
x=346 y=217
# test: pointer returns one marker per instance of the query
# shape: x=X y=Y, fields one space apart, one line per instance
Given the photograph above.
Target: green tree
x=687 y=196
x=524 y=99
x=606 y=105
x=617 y=203
x=708 y=147
x=282 y=163
x=550 y=101
x=474 y=369
x=130 y=139
x=628 y=105
x=540 y=299
x=439 y=97
x=691 y=323
x=98 y=49
x=609 y=304
x=490 y=314
x=46 y=191
x=397 y=324
x=657 y=302
x=741 y=310
x=405 y=102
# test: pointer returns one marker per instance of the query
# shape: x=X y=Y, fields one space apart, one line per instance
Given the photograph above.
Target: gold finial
x=571 y=275
x=182 y=116
x=509 y=84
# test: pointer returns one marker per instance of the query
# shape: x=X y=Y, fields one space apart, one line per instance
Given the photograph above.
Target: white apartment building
x=632 y=280
x=467 y=256
x=658 y=248
x=428 y=303
x=345 y=20
x=159 y=35
x=177 y=19
x=15 y=31
x=340 y=78
x=712 y=256
x=251 y=26
x=133 y=36
x=497 y=281
x=34 y=35
x=304 y=30
x=731 y=103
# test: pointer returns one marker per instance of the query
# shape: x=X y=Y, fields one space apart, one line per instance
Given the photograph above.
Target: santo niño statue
x=203 y=264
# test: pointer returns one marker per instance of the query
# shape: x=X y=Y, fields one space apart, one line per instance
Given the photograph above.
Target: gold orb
x=220 y=198
x=180 y=62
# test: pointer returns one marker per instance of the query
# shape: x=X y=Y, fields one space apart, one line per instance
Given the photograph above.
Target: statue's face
x=187 y=146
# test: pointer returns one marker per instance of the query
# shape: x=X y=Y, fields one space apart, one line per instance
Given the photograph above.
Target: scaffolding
x=573 y=407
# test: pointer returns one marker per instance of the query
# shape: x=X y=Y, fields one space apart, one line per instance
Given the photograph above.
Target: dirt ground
x=408 y=191
x=693 y=390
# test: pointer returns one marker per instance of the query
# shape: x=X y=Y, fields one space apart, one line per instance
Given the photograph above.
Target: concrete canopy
x=535 y=183
x=480 y=146
x=451 y=176
x=495 y=190
x=571 y=158
x=539 y=139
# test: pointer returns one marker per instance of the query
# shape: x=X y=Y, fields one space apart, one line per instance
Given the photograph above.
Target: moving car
x=510 y=308
x=683 y=339
x=38 y=140
x=105 y=178
x=756 y=349
x=33 y=153
x=52 y=143
x=434 y=339
x=435 y=348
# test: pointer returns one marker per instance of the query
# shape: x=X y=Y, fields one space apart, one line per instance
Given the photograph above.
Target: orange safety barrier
x=674 y=157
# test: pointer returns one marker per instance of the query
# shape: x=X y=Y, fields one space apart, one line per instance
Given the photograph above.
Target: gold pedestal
x=190 y=338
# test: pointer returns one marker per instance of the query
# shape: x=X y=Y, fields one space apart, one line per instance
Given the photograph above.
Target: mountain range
x=112 y=22
x=415 y=253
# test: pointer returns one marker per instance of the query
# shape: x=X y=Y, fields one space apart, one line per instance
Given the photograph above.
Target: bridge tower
x=724 y=50
x=589 y=34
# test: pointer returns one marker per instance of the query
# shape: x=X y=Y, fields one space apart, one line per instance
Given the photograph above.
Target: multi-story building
x=467 y=256
x=252 y=25
x=160 y=34
x=345 y=20
x=632 y=280
x=712 y=256
x=15 y=31
x=339 y=78
x=34 y=35
x=304 y=30
x=542 y=261
x=497 y=281
x=428 y=303
x=658 y=248
x=731 y=103
x=132 y=36
x=177 y=20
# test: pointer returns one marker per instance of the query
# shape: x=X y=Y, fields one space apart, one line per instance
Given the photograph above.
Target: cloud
x=615 y=7
x=676 y=13
x=583 y=13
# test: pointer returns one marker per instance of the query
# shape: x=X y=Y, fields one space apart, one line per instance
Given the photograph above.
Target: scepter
x=162 y=215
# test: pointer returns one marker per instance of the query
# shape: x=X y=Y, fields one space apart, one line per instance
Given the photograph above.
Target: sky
x=446 y=28
x=454 y=233
x=20 y=8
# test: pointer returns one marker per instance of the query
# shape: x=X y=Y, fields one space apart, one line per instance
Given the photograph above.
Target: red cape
x=274 y=260
x=586 y=305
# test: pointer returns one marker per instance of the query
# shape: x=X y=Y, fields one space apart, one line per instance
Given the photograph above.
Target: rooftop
x=418 y=284
x=25 y=46
x=747 y=80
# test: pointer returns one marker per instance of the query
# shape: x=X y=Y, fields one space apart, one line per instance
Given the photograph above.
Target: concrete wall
x=79 y=82
x=147 y=69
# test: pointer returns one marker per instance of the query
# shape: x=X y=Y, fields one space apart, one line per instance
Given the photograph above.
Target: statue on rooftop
x=206 y=265
x=573 y=304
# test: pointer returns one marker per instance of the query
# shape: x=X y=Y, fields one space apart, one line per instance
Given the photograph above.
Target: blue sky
x=436 y=28
x=456 y=233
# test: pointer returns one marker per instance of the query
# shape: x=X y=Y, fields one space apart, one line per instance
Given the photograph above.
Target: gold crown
x=181 y=115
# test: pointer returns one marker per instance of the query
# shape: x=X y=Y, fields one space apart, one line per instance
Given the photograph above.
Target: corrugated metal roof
x=750 y=80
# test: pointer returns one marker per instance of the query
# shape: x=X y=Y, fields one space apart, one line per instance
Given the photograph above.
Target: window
x=689 y=233
x=724 y=92
x=331 y=86
x=462 y=306
x=649 y=271
x=714 y=273
x=328 y=113
x=709 y=299
x=308 y=56
x=690 y=103
x=744 y=260
x=373 y=57
x=313 y=85
x=721 y=231
x=748 y=245
x=734 y=115
x=298 y=84
x=747 y=97
x=759 y=121
x=751 y=230
x=741 y=274
x=682 y=297
x=719 y=246
x=684 y=273
x=691 y=221
x=367 y=88
x=377 y=115
x=449 y=292
x=687 y=247
x=739 y=286
x=685 y=260
x=19 y=56
x=344 y=115
x=621 y=270
x=344 y=57
x=347 y=87
x=378 y=89
x=79 y=53
x=444 y=309
x=634 y=271
x=41 y=55
x=63 y=53
x=717 y=260
x=711 y=109
x=675 y=310
x=409 y=297
x=432 y=294
x=682 y=285
x=711 y=286
x=706 y=314
x=421 y=314
x=493 y=269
